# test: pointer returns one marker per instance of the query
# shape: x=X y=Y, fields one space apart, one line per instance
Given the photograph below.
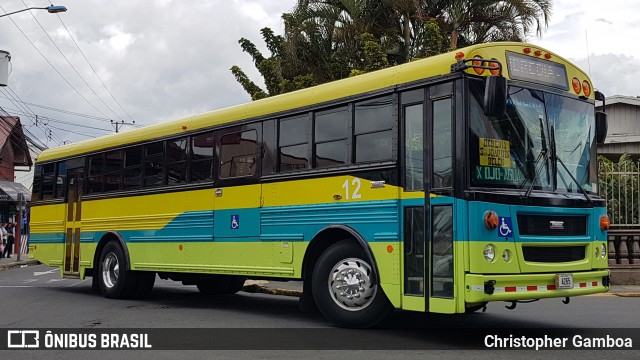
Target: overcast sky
x=166 y=59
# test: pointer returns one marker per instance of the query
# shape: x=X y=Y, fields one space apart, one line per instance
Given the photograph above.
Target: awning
x=9 y=191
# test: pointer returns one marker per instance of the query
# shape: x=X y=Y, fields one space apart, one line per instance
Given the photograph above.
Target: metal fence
x=619 y=185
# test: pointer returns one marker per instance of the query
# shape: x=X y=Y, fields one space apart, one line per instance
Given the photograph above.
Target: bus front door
x=75 y=180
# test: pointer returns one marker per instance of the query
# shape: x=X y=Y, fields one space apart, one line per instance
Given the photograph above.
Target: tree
x=326 y=40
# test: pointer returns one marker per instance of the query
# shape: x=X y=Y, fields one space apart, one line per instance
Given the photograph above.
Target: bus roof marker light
x=547 y=56
x=576 y=85
x=184 y=127
x=459 y=55
x=537 y=53
x=526 y=50
x=586 y=88
x=478 y=63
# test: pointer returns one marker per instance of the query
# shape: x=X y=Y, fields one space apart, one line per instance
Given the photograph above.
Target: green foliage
x=326 y=40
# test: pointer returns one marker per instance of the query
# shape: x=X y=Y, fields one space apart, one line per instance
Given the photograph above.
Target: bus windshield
x=517 y=150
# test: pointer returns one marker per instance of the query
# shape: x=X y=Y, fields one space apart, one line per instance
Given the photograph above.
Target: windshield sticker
x=494 y=152
x=502 y=175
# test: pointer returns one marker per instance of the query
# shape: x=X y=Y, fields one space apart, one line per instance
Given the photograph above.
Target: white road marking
x=55 y=280
x=16 y=286
x=30 y=281
x=38 y=273
x=77 y=283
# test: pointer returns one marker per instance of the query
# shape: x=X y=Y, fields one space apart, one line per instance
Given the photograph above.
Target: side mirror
x=495 y=96
x=601 y=127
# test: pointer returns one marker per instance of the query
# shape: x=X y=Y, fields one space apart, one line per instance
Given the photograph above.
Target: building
x=623 y=136
x=14 y=152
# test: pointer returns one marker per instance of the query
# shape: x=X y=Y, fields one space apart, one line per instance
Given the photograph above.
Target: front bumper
x=484 y=288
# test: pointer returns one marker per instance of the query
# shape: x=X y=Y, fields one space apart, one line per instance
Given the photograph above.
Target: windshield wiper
x=544 y=152
x=558 y=160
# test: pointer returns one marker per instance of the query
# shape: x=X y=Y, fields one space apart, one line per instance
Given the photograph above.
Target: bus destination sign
x=527 y=68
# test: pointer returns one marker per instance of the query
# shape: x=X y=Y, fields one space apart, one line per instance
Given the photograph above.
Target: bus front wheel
x=345 y=290
x=114 y=280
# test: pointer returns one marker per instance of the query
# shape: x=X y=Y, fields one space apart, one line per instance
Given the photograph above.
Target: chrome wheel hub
x=110 y=270
x=350 y=284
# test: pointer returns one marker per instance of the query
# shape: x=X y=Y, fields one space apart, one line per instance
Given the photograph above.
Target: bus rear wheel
x=345 y=290
x=114 y=280
x=221 y=284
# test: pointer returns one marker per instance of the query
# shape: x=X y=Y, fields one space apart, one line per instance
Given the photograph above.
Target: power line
x=50 y=64
x=92 y=117
x=46 y=118
x=94 y=70
x=68 y=62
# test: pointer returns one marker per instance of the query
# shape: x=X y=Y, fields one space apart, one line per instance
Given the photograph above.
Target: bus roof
x=376 y=80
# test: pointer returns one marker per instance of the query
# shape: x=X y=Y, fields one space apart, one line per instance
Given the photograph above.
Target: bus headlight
x=489 y=253
x=506 y=255
x=603 y=251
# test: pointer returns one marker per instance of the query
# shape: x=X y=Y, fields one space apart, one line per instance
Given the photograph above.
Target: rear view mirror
x=601 y=127
x=495 y=96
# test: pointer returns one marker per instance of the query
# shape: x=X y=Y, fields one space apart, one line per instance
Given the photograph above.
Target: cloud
x=613 y=74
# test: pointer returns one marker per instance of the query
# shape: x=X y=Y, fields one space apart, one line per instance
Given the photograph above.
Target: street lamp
x=51 y=9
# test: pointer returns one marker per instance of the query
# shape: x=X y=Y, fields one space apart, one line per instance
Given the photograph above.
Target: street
x=36 y=297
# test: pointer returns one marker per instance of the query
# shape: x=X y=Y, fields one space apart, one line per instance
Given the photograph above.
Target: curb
x=15 y=264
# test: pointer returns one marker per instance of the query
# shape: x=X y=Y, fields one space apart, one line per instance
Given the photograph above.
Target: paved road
x=35 y=296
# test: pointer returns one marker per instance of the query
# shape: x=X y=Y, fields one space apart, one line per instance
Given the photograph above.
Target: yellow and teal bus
x=435 y=186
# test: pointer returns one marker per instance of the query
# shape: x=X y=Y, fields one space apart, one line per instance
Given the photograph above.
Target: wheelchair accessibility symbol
x=504 y=227
x=235 y=222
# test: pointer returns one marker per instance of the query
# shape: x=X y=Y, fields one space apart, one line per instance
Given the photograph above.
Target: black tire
x=473 y=308
x=221 y=284
x=115 y=281
x=146 y=280
x=368 y=304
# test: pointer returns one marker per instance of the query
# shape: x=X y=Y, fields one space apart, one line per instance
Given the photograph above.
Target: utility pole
x=119 y=124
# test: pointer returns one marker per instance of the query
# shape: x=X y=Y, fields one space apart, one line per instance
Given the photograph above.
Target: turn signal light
x=576 y=85
x=495 y=71
x=605 y=224
x=491 y=220
x=586 y=88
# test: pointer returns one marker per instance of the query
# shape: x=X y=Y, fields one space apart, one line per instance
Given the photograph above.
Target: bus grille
x=544 y=225
x=553 y=254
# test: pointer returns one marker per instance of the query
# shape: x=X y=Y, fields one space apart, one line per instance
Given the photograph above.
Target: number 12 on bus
x=386 y=190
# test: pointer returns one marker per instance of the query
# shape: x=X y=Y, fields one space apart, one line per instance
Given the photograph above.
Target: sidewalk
x=13 y=262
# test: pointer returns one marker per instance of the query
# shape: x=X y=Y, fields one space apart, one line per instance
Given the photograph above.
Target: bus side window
x=113 y=170
x=201 y=161
x=37 y=183
x=154 y=164
x=48 y=181
x=373 y=131
x=238 y=152
x=293 y=143
x=442 y=143
x=94 y=179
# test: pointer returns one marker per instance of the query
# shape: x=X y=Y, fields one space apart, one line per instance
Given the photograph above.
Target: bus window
x=441 y=140
x=131 y=175
x=113 y=170
x=201 y=165
x=153 y=164
x=293 y=143
x=413 y=147
x=37 y=182
x=373 y=130
x=48 y=181
x=238 y=154
x=95 y=174
x=61 y=180
x=177 y=161
x=330 y=137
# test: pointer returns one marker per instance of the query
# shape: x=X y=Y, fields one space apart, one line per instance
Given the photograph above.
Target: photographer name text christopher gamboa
x=547 y=342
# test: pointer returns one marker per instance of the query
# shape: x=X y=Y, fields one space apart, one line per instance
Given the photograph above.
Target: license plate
x=564 y=281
